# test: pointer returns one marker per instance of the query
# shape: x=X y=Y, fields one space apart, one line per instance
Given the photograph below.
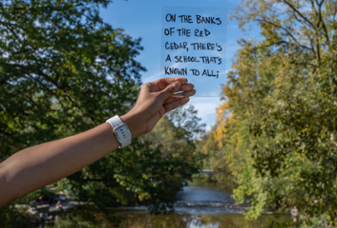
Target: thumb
x=170 y=90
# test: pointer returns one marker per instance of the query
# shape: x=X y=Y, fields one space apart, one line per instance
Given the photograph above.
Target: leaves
x=277 y=128
x=63 y=71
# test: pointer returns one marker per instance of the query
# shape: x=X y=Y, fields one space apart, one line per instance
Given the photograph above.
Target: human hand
x=21 y=173
x=155 y=99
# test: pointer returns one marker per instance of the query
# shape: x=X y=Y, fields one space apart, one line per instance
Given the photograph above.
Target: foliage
x=187 y=123
x=13 y=218
x=44 y=192
x=131 y=177
x=315 y=222
x=177 y=134
x=63 y=71
x=277 y=127
x=206 y=148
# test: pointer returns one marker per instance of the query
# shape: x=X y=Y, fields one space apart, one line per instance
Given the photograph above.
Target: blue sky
x=143 y=18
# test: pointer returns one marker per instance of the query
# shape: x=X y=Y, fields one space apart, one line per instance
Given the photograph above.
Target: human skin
x=40 y=165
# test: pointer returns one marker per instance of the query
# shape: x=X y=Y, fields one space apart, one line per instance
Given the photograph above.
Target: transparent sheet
x=193 y=46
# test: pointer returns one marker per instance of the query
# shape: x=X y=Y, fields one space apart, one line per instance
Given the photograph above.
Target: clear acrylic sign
x=193 y=46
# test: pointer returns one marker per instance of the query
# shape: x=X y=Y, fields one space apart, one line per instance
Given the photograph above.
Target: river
x=202 y=205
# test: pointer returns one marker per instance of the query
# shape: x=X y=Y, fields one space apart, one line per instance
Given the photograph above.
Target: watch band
x=121 y=131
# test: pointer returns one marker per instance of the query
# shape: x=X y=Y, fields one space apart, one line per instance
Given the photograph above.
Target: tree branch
x=289 y=34
x=326 y=34
x=299 y=13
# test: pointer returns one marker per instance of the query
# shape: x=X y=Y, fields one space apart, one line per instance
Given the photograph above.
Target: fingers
x=187 y=93
x=166 y=87
x=162 y=83
x=169 y=90
x=186 y=87
x=173 y=98
x=175 y=104
x=179 y=96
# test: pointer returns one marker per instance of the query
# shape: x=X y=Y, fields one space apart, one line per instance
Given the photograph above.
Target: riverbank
x=201 y=204
x=46 y=213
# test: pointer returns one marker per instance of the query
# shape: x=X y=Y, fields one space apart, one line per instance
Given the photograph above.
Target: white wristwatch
x=121 y=131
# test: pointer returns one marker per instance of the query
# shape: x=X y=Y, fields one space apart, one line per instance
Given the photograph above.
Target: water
x=214 y=220
x=202 y=191
x=200 y=205
x=201 y=197
x=203 y=205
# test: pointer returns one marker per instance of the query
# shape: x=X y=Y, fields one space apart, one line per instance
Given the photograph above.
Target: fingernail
x=175 y=85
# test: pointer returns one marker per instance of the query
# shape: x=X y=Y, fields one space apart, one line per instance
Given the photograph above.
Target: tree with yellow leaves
x=277 y=128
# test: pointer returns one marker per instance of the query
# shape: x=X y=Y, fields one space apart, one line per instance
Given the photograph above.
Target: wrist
x=121 y=131
x=136 y=126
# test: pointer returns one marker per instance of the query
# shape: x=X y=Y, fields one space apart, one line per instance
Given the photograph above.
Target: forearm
x=37 y=166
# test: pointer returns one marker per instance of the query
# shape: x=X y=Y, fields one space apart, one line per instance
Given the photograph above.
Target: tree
x=206 y=148
x=281 y=92
x=246 y=97
x=63 y=71
x=177 y=134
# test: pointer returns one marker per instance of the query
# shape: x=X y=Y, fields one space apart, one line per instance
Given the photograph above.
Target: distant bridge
x=207 y=171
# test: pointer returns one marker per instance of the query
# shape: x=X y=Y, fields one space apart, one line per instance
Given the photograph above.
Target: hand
x=22 y=172
x=155 y=99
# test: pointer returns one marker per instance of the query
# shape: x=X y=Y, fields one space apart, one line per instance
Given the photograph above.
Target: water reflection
x=133 y=220
x=204 y=205
x=200 y=205
x=141 y=219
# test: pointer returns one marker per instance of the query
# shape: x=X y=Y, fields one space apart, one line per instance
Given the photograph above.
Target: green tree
x=246 y=97
x=206 y=149
x=281 y=93
x=177 y=134
x=63 y=71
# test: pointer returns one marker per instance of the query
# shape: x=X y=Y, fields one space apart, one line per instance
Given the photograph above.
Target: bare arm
x=37 y=166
